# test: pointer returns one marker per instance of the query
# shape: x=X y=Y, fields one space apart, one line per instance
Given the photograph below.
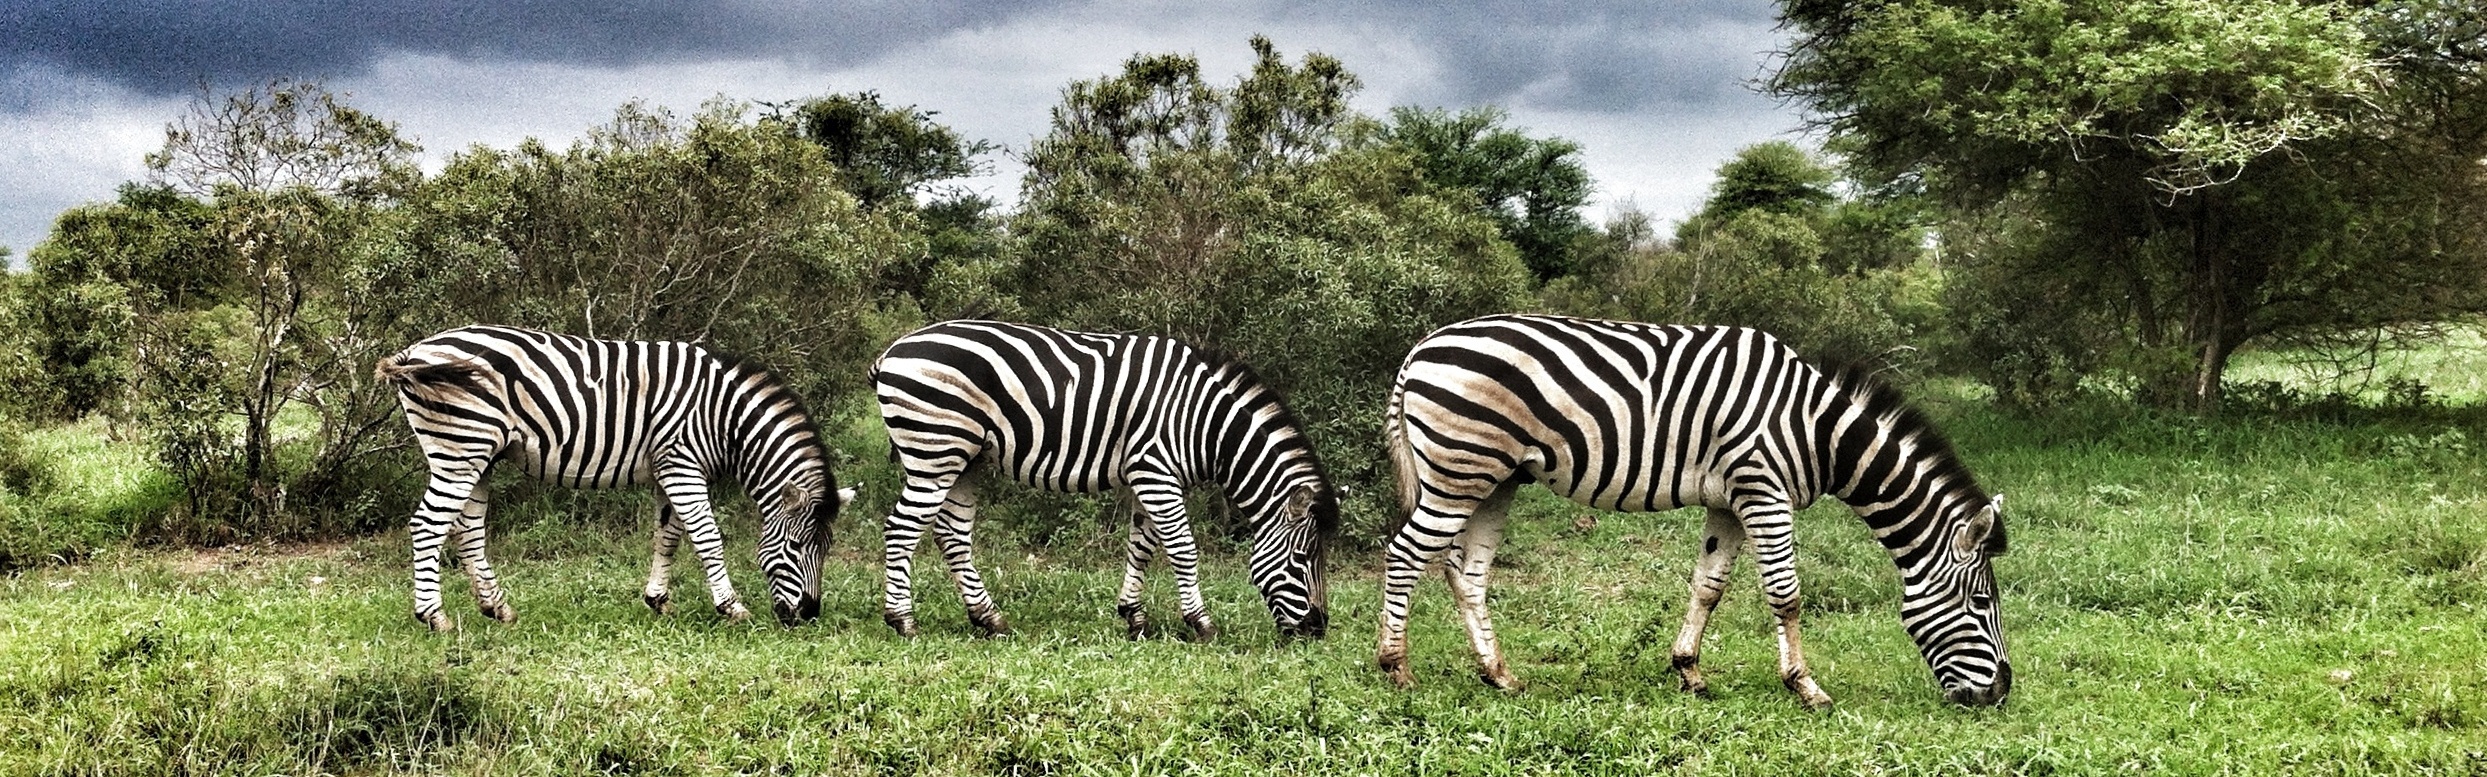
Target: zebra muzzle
x=798 y=613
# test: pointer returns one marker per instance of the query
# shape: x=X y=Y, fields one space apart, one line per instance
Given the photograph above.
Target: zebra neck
x=1891 y=467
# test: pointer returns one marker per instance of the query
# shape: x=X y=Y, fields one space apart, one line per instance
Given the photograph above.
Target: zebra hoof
x=661 y=603
x=436 y=620
x=1396 y=668
x=1137 y=621
x=1810 y=693
x=1500 y=678
x=903 y=623
x=1202 y=629
x=993 y=626
x=500 y=611
x=734 y=611
x=1688 y=676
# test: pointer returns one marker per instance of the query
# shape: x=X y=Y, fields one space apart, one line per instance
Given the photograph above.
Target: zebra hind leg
x=1470 y=559
x=434 y=519
x=468 y=533
x=1722 y=539
x=1424 y=537
x=954 y=528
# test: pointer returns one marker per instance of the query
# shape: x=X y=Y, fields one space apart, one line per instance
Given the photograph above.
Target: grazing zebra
x=609 y=414
x=1085 y=413
x=1639 y=417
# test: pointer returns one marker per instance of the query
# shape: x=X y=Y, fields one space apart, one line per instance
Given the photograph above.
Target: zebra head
x=1951 y=607
x=1290 y=545
x=795 y=535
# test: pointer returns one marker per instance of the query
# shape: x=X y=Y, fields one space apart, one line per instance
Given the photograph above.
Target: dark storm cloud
x=1608 y=56
x=1611 y=56
x=166 y=46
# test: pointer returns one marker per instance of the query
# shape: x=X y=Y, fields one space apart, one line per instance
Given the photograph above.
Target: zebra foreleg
x=955 y=529
x=1163 y=502
x=1773 y=533
x=468 y=532
x=1722 y=538
x=687 y=490
x=1470 y=559
x=668 y=536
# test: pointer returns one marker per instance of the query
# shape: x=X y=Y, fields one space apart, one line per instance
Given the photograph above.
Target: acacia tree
x=2207 y=161
x=292 y=172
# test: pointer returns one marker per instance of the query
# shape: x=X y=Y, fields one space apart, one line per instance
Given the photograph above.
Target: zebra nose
x=1986 y=696
x=798 y=613
x=1316 y=624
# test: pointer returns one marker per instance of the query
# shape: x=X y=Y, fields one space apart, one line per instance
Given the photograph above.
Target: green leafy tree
x=2210 y=165
x=895 y=160
x=1764 y=252
x=885 y=155
x=106 y=268
x=1533 y=188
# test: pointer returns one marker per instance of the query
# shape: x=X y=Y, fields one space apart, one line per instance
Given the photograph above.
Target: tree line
x=2053 y=198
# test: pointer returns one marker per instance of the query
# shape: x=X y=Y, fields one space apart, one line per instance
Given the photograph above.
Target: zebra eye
x=1981 y=601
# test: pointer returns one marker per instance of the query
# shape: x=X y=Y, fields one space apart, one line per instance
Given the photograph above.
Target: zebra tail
x=406 y=371
x=1402 y=462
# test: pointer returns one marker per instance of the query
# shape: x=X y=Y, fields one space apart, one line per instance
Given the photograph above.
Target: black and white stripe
x=1640 y=417
x=611 y=414
x=1085 y=413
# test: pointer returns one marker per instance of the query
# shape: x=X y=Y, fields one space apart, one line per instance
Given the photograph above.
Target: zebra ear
x=1299 y=504
x=1985 y=529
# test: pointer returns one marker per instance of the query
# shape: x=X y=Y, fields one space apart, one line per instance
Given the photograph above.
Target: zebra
x=584 y=413
x=1641 y=417
x=1082 y=412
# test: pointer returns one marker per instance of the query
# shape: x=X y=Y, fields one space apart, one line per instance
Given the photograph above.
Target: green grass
x=2245 y=596
x=69 y=491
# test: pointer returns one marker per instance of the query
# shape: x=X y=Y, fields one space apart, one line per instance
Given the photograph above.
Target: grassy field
x=2253 y=595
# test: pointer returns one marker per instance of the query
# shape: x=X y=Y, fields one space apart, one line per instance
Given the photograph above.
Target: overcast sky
x=1657 y=93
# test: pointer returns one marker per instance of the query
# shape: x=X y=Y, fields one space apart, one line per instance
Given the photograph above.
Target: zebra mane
x=1856 y=383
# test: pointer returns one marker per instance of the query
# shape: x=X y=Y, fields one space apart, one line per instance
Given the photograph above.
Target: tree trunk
x=2212 y=319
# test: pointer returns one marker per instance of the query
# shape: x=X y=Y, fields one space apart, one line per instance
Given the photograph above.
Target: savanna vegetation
x=2196 y=284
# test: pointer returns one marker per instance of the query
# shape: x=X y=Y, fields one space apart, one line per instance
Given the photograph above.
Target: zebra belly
x=1634 y=492
x=581 y=466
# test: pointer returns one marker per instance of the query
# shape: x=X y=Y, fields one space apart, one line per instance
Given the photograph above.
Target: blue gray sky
x=1657 y=92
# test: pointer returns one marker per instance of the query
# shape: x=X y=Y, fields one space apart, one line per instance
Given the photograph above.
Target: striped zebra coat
x=613 y=414
x=1640 y=417
x=1085 y=413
